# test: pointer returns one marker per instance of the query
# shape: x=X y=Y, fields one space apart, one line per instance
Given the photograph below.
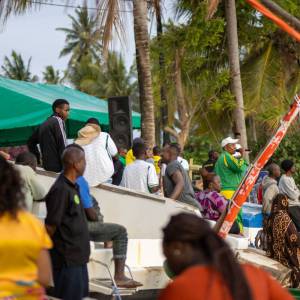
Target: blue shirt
x=84 y=190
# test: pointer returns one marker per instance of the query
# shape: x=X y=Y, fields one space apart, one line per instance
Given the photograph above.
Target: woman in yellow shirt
x=25 y=267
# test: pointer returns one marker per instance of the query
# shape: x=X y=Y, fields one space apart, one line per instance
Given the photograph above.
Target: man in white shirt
x=99 y=150
x=140 y=175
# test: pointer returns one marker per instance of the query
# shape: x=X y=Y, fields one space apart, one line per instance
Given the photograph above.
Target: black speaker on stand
x=120 y=121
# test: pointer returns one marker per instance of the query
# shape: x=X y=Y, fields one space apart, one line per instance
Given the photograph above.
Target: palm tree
x=83 y=38
x=16 y=68
x=103 y=80
x=235 y=72
x=234 y=59
x=111 y=18
x=51 y=76
x=161 y=59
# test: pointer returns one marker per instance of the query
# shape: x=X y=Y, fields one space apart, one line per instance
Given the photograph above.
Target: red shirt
x=204 y=283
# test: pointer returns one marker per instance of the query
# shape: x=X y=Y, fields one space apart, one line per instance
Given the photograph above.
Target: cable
x=77 y=6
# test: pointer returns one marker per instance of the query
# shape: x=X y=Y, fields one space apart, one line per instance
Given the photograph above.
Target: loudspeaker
x=120 y=121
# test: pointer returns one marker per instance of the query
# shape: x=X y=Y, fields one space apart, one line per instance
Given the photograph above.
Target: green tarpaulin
x=24 y=105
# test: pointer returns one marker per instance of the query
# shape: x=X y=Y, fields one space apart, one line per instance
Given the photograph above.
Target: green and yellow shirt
x=231 y=170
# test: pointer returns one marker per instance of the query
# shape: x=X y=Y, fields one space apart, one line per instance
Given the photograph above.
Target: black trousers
x=294 y=212
x=71 y=283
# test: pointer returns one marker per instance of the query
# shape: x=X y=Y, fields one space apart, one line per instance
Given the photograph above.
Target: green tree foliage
x=16 y=68
x=83 y=38
x=269 y=65
x=204 y=74
x=51 y=76
x=103 y=79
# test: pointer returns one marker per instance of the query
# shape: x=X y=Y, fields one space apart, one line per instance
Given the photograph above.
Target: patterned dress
x=283 y=241
x=212 y=204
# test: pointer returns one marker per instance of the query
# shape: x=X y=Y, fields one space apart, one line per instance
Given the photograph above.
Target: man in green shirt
x=231 y=170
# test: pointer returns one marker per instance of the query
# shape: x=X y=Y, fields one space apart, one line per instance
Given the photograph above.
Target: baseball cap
x=228 y=140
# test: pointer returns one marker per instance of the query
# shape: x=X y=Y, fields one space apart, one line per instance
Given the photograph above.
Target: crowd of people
x=193 y=251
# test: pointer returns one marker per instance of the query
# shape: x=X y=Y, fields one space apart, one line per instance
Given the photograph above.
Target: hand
x=5 y=155
x=242 y=151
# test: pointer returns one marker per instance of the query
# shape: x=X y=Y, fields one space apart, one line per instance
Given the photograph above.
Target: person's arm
x=50 y=229
x=268 y=197
x=234 y=164
x=32 y=143
x=59 y=135
x=111 y=147
x=219 y=201
x=86 y=199
x=91 y=214
x=56 y=201
x=153 y=183
x=178 y=180
x=44 y=268
x=5 y=155
x=37 y=189
x=289 y=188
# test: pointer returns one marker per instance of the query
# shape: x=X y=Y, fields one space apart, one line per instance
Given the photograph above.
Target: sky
x=34 y=35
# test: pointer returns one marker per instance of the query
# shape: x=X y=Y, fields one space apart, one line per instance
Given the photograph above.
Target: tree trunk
x=235 y=75
x=144 y=70
x=163 y=94
x=183 y=113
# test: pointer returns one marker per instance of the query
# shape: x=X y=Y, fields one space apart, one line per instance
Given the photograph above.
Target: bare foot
x=128 y=283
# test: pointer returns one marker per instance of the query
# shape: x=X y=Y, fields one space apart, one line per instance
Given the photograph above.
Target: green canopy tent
x=25 y=105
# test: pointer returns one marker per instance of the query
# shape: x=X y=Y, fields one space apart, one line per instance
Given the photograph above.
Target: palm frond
x=9 y=7
x=110 y=18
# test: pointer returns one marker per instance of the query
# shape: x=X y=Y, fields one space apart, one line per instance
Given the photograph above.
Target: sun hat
x=228 y=140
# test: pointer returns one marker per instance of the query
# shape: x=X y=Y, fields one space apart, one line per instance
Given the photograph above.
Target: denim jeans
x=105 y=232
x=71 y=283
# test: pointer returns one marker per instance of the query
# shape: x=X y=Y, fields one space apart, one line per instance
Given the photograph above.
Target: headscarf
x=283 y=243
x=87 y=134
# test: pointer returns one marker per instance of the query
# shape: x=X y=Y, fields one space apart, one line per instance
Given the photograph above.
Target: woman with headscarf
x=204 y=267
x=99 y=150
x=283 y=241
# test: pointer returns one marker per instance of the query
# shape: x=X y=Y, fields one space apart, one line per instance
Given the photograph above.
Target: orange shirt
x=203 y=283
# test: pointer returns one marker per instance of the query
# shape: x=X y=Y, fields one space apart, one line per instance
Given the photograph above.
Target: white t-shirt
x=184 y=163
x=98 y=155
x=140 y=176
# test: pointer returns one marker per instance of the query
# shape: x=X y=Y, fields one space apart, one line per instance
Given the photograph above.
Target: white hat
x=228 y=140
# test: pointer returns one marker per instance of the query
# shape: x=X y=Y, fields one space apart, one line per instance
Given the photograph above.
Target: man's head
x=213 y=155
x=27 y=159
x=139 y=151
x=156 y=151
x=61 y=107
x=288 y=166
x=73 y=159
x=229 y=144
x=122 y=151
x=170 y=153
x=138 y=141
x=93 y=121
x=274 y=170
